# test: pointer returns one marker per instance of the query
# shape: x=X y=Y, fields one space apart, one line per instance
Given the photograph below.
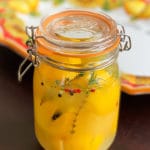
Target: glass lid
x=80 y=31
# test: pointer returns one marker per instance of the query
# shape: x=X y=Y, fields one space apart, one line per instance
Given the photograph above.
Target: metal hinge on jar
x=125 y=40
x=32 y=51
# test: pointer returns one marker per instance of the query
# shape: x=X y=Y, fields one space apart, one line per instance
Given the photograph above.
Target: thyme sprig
x=93 y=79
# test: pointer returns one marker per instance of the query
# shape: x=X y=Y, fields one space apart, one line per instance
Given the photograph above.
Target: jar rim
x=108 y=41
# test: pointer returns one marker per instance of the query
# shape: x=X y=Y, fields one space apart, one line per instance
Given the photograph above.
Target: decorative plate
x=134 y=64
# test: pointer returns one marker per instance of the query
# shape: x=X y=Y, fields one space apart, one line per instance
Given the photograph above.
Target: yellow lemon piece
x=16 y=27
x=33 y=4
x=27 y=6
x=85 y=3
x=105 y=100
x=135 y=7
x=146 y=12
x=53 y=74
x=115 y=122
x=52 y=118
x=83 y=142
x=74 y=61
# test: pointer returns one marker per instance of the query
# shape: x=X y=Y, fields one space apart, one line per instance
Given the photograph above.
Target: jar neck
x=78 y=64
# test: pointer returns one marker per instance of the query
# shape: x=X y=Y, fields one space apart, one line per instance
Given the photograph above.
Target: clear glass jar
x=76 y=84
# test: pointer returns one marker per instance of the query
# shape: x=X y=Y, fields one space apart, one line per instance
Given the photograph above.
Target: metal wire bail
x=32 y=51
x=125 y=40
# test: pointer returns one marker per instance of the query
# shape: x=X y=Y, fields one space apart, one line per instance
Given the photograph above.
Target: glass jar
x=76 y=80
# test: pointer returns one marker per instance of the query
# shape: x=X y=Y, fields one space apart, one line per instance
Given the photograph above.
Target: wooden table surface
x=16 y=112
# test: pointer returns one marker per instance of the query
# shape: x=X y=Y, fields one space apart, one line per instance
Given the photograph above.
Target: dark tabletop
x=16 y=112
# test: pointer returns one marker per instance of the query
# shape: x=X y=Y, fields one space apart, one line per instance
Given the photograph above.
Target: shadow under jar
x=76 y=84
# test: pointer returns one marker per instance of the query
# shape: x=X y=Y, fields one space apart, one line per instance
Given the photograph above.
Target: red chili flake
x=78 y=90
x=92 y=90
x=74 y=90
x=67 y=90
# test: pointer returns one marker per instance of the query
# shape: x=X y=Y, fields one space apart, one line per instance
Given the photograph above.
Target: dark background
x=16 y=112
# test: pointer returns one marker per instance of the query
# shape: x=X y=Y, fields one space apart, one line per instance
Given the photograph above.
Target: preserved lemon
x=78 y=115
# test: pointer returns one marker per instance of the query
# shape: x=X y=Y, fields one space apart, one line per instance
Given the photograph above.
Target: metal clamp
x=125 y=40
x=32 y=51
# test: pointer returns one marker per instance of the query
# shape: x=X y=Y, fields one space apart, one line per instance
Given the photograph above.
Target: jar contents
x=76 y=110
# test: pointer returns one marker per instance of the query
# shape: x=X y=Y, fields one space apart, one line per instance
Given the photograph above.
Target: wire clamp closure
x=125 y=40
x=32 y=51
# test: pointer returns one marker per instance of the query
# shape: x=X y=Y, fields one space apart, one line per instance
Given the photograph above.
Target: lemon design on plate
x=27 y=6
x=138 y=8
x=105 y=4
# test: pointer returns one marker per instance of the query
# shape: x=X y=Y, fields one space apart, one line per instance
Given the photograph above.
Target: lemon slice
x=135 y=7
x=146 y=12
